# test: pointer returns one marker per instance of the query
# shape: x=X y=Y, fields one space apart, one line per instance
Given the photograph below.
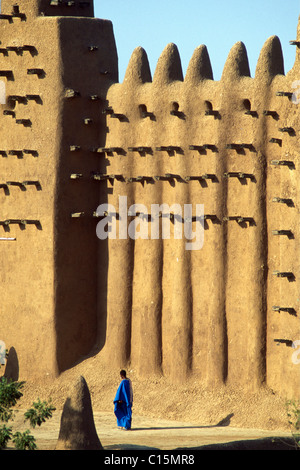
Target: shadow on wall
x=81 y=259
x=12 y=366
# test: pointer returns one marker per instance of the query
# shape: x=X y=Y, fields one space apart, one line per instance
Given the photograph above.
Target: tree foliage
x=10 y=394
x=39 y=413
x=293 y=413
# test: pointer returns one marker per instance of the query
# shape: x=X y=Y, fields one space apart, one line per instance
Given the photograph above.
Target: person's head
x=123 y=374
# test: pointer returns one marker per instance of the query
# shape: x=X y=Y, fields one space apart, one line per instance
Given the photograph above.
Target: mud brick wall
x=33 y=8
x=49 y=123
x=223 y=313
x=227 y=313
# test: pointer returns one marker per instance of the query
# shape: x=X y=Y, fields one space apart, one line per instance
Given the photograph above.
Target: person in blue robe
x=123 y=402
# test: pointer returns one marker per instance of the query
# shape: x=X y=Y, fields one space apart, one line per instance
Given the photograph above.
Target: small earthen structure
x=73 y=138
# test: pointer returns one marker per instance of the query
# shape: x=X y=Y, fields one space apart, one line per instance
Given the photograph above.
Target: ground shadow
x=224 y=422
x=129 y=447
x=267 y=443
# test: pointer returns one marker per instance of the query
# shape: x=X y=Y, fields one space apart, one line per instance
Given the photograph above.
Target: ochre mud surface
x=165 y=415
x=208 y=332
x=151 y=433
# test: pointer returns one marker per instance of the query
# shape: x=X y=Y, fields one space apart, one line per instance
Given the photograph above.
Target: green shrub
x=10 y=393
x=5 y=436
x=293 y=412
x=39 y=412
x=24 y=441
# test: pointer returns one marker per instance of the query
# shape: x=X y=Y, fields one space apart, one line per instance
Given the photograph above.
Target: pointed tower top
x=138 y=70
x=270 y=61
x=48 y=7
x=237 y=64
x=199 y=68
x=168 y=67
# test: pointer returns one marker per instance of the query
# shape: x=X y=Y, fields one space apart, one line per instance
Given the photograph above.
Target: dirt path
x=165 y=416
x=149 y=433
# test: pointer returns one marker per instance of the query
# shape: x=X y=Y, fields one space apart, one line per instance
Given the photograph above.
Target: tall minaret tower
x=56 y=63
x=50 y=7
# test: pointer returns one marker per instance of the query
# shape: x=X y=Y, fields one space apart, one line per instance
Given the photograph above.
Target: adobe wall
x=226 y=313
x=209 y=312
x=33 y=8
x=27 y=154
x=49 y=274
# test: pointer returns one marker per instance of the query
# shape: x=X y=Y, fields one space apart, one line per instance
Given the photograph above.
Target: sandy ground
x=165 y=415
x=150 y=433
